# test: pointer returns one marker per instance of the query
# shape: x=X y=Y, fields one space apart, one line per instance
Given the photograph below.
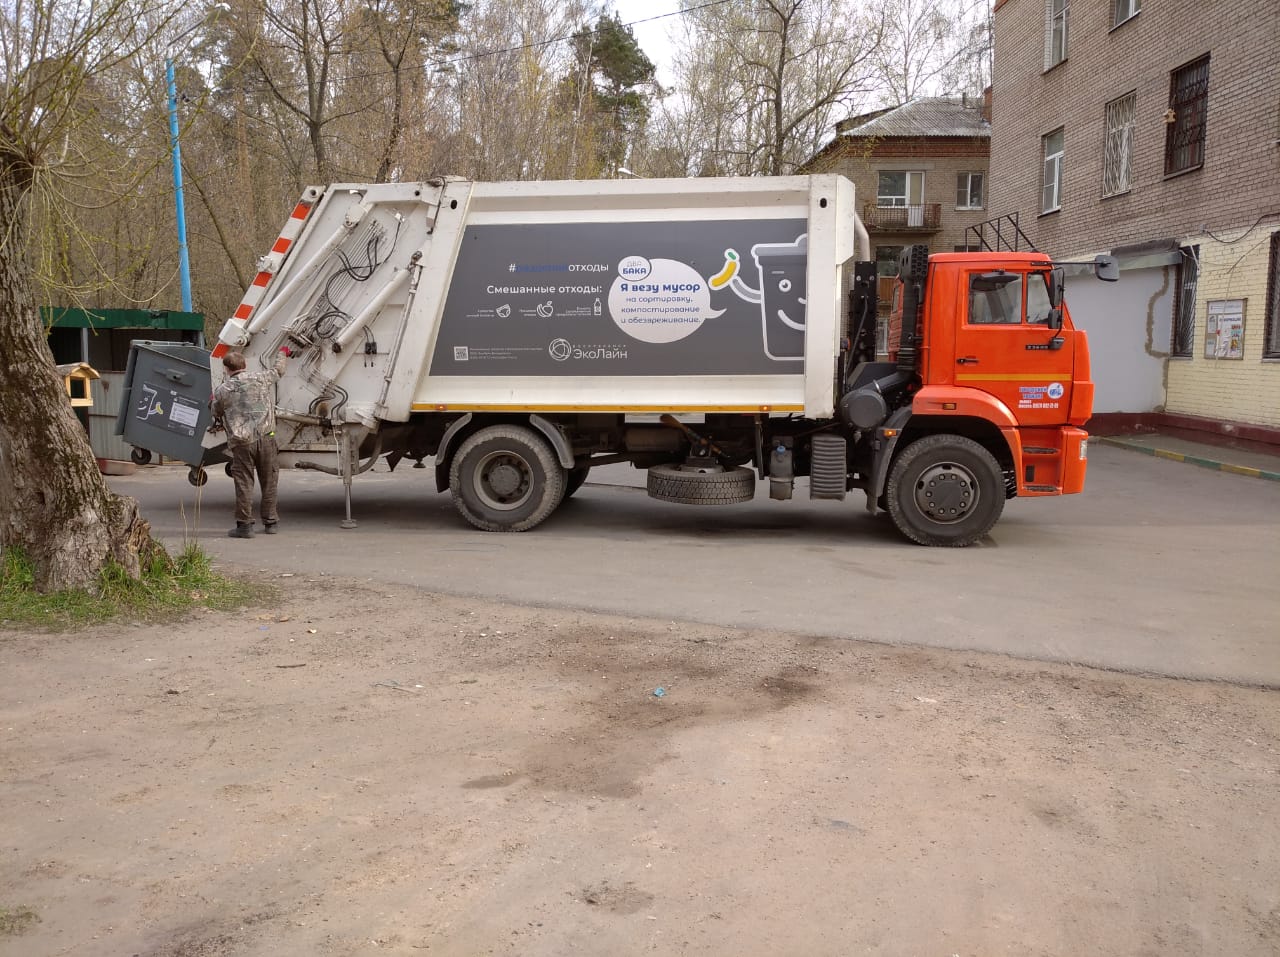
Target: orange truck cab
x=986 y=372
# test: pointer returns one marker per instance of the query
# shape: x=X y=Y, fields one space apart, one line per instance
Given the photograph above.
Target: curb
x=1191 y=459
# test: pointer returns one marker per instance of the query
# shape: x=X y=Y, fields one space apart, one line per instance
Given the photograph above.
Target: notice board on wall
x=1224 y=329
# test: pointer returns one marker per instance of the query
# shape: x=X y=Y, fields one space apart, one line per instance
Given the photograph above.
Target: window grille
x=1117 y=165
x=1189 y=115
x=1271 y=341
x=1184 y=320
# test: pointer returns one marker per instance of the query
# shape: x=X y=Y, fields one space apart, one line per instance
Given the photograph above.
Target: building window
x=1271 y=341
x=1184 y=313
x=887 y=260
x=969 y=190
x=1055 y=32
x=1123 y=10
x=900 y=188
x=1117 y=164
x=1051 y=192
x=1188 y=117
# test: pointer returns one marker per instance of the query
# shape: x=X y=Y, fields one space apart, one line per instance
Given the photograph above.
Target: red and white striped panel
x=297 y=219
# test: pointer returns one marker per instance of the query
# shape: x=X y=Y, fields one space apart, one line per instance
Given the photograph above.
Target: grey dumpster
x=165 y=404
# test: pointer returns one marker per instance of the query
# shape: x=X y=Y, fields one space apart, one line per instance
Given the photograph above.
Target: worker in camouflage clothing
x=245 y=405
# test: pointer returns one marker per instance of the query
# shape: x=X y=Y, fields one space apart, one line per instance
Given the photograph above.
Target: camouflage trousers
x=259 y=457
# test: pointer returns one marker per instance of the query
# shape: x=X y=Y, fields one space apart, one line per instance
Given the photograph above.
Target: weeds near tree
x=169 y=585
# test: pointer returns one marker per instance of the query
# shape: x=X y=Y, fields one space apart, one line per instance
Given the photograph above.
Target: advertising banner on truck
x=628 y=299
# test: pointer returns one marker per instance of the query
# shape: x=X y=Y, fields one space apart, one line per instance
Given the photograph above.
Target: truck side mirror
x=1106 y=268
x=1054 y=319
x=1056 y=283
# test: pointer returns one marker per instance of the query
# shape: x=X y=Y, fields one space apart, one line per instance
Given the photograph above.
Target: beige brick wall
x=1236 y=189
x=1250 y=387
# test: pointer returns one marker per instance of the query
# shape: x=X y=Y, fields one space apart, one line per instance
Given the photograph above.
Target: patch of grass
x=16 y=920
x=169 y=585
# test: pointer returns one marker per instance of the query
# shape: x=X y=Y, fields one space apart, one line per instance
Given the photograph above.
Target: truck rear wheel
x=505 y=478
x=945 y=490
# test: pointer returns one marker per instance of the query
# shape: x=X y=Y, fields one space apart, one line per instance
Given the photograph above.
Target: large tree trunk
x=54 y=503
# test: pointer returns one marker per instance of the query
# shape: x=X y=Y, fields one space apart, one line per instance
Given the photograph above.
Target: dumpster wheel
x=197 y=476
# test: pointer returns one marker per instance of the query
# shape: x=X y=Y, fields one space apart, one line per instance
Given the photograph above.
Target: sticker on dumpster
x=169 y=410
x=690 y=298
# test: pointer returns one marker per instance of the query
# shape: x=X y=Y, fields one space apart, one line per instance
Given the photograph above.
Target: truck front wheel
x=505 y=478
x=945 y=490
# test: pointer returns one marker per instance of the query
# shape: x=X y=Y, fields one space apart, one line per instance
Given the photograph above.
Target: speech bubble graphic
x=667 y=305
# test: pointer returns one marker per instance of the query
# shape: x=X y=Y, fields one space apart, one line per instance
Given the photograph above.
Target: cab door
x=1005 y=345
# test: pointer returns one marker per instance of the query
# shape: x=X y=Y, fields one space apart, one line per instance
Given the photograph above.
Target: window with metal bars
x=1184 y=313
x=1117 y=161
x=1188 y=117
x=1271 y=341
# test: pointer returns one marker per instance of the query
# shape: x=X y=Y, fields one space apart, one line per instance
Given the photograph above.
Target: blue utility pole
x=184 y=265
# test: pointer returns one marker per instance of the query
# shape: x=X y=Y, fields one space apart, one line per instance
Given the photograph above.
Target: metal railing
x=902 y=219
x=1002 y=234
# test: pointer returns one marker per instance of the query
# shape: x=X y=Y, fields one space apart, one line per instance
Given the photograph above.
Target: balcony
x=925 y=218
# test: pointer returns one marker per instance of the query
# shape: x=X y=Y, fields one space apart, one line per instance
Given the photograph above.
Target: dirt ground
x=369 y=770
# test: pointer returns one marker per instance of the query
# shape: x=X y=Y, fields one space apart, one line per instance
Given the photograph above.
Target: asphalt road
x=1159 y=567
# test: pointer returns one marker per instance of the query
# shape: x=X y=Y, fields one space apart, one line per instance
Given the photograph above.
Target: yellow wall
x=1239 y=390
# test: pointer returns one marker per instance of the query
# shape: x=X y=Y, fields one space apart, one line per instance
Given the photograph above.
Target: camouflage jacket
x=245 y=404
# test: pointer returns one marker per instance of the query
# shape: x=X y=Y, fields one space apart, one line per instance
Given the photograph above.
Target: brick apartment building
x=1151 y=130
x=919 y=173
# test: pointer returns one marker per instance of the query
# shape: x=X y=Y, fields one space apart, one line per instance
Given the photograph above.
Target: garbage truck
x=718 y=333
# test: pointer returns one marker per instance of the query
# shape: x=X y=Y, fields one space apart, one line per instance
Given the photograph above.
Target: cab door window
x=1038 y=307
x=995 y=298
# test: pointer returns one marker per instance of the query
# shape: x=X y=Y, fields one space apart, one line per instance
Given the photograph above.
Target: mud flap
x=886 y=442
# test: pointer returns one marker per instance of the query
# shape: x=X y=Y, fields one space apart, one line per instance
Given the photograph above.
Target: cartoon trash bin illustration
x=782 y=295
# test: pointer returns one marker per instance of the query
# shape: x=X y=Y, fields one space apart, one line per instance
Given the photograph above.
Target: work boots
x=242 y=530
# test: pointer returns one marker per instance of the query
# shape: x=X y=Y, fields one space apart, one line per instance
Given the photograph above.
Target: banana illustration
x=725 y=275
